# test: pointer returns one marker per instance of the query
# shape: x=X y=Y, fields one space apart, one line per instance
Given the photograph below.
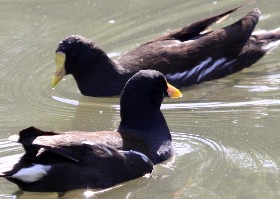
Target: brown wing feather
x=163 y=55
x=196 y=28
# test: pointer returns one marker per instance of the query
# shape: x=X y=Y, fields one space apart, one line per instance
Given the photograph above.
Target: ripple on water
x=201 y=161
x=8 y=147
x=207 y=155
x=226 y=156
x=264 y=102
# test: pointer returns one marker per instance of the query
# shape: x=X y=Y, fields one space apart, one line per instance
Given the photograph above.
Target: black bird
x=187 y=56
x=60 y=162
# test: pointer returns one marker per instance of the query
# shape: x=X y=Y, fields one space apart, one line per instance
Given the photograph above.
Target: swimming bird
x=190 y=55
x=55 y=162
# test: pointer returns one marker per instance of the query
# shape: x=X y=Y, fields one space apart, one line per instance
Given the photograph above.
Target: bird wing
x=197 y=54
x=73 y=144
x=196 y=28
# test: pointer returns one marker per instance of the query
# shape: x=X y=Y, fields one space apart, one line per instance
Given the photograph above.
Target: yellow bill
x=60 y=68
x=173 y=92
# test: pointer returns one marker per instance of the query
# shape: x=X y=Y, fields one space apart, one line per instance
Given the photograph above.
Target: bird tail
x=268 y=39
x=27 y=136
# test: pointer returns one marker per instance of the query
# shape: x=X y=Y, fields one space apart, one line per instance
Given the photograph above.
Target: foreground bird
x=60 y=162
x=187 y=56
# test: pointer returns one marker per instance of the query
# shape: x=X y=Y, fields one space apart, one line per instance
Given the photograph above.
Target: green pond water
x=225 y=132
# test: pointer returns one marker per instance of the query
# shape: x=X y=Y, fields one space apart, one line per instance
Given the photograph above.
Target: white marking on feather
x=218 y=62
x=230 y=62
x=204 y=63
x=188 y=41
x=107 y=150
x=180 y=75
x=275 y=30
x=144 y=157
x=32 y=174
x=211 y=68
x=271 y=45
x=258 y=32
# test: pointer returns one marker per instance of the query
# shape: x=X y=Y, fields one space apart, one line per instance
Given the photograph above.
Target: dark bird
x=187 y=56
x=60 y=162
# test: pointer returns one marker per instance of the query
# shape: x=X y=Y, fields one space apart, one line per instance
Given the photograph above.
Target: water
x=226 y=132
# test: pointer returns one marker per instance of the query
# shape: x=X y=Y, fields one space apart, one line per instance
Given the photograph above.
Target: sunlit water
x=225 y=132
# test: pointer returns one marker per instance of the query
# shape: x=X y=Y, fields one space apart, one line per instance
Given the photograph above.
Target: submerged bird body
x=73 y=160
x=187 y=56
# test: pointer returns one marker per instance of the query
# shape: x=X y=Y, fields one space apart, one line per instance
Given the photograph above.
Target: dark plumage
x=187 y=56
x=72 y=160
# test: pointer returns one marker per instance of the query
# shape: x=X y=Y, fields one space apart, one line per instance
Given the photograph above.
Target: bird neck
x=148 y=123
x=105 y=78
x=147 y=133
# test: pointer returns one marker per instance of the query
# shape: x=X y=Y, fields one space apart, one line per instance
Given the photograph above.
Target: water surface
x=225 y=132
